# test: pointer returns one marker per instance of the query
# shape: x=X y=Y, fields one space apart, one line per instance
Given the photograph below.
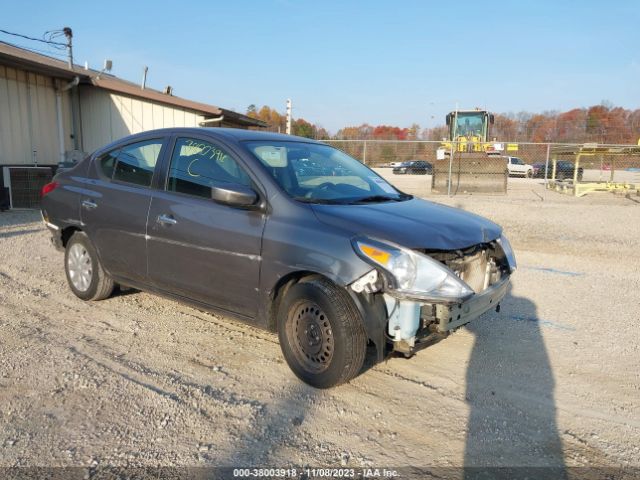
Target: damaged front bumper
x=450 y=317
x=447 y=290
x=414 y=324
x=415 y=321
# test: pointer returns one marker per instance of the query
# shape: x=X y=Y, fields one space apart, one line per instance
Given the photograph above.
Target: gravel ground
x=137 y=380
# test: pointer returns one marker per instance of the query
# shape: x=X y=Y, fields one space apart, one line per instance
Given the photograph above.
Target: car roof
x=231 y=134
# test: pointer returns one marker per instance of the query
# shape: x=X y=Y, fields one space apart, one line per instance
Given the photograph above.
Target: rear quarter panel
x=61 y=207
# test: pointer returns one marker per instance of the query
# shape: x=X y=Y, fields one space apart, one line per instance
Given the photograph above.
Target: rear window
x=133 y=164
x=136 y=162
x=107 y=163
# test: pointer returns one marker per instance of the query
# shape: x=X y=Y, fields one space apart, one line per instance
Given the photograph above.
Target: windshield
x=469 y=124
x=317 y=173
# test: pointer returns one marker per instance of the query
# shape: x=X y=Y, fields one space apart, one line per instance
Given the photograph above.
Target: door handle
x=166 y=220
x=89 y=204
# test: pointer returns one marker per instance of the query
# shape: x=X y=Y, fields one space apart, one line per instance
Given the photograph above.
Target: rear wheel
x=87 y=279
x=321 y=333
x=529 y=173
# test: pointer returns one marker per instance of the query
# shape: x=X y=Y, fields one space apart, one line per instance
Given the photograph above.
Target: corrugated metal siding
x=28 y=119
x=109 y=116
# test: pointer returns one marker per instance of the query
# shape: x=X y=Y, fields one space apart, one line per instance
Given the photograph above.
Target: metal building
x=50 y=113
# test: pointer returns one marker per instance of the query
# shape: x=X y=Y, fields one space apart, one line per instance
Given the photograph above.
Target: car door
x=197 y=248
x=115 y=204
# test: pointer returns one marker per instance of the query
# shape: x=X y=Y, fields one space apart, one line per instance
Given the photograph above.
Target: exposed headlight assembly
x=412 y=275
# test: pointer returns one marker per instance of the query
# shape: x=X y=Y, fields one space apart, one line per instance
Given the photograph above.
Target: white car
x=516 y=166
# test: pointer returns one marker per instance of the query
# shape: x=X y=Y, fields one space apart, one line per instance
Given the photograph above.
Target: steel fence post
x=450 y=168
x=364 y=152
x=546 y=167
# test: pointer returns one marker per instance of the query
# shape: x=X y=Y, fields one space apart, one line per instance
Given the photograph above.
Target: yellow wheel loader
x=467 y=162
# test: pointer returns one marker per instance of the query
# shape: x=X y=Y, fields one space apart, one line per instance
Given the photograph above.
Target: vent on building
x=24 y=185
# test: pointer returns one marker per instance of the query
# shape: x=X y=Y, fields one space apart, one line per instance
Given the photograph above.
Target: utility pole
x=144 y=77
x=69 y=34
x=288 y=116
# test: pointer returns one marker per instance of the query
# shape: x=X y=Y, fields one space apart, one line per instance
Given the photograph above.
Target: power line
x=51 y=34
x=35 y=50
x=50 y=42
x=47 y=39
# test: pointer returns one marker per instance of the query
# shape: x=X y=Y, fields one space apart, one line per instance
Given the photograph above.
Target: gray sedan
x=238 y=222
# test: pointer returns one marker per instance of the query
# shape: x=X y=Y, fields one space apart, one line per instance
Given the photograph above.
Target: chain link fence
x=434 y=167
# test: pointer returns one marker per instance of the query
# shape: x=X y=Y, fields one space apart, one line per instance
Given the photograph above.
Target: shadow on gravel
x=510 y=392
x=122 y=291
x=15 y=218
x=16 y=233
x=275 y=430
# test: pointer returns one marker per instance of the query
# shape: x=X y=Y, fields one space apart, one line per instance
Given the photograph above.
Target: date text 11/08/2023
x=314 y=473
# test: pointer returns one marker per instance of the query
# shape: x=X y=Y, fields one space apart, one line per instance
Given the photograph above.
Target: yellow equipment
x=469 y=131
x=467 y=162
x=628 y=154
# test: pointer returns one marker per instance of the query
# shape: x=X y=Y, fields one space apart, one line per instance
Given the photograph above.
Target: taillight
x=48 y=188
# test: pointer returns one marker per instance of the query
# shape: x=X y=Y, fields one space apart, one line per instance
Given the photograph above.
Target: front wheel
x=529 y=174
x=321 y=333
x=87 y=279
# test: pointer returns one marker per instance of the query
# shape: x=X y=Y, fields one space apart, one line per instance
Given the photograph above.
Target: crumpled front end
x=417 y=318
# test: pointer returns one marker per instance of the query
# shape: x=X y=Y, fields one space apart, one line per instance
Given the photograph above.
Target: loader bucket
x=471 y=172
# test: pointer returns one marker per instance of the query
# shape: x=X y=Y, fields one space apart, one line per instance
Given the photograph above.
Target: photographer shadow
x=512 y=430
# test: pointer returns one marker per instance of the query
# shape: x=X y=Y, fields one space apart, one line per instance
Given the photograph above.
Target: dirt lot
x=553 y=379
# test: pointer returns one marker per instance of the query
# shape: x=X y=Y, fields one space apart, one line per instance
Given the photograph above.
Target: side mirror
x=448 y=119
x=491 y=119
x=234 y=195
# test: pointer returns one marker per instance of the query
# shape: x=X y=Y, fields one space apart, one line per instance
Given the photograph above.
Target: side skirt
x=253 y=321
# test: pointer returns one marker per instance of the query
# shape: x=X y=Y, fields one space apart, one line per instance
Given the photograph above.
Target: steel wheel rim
x=80 y=267
x=311 y=336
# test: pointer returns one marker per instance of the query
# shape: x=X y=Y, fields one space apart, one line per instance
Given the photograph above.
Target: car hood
x=413 y=223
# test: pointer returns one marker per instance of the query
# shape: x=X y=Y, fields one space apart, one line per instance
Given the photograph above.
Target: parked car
x=517 y=167
x=223 y=220
x=414 y=167
x=538 y=170
x=564 y=170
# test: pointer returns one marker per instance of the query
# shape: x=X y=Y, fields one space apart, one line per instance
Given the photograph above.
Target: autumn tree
x=602 y=123
x=436 y=133
x=362 y=132
x=413 y=133
x=276 y=122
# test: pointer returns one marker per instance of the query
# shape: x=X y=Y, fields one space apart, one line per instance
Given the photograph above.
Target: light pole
x=288 y=131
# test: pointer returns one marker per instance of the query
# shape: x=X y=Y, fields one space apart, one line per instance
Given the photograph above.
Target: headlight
x=508 y=252
x=412 y=274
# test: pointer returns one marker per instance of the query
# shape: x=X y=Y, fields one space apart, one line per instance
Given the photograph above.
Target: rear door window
x=137 y=161
x=107 y=163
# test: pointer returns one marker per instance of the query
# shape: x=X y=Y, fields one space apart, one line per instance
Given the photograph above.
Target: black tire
x=99 y=285
x=529 y=174
x=317 y=311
